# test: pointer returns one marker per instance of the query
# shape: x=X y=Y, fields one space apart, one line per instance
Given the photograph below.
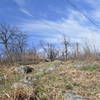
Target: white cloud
x=95 y=13
x=25 y=11
x=21 y=4
x=94 y=3
x=73 y=28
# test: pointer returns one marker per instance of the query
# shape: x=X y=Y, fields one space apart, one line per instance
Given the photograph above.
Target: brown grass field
x=51 y=85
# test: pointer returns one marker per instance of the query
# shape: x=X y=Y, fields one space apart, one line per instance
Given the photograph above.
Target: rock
x=20 y=97
x=30 y=81
x=1 y=79
x=47 y=60
x=51 y=68
x=98 y=72
x=24 y=69
x=73 y=96
x=32 y=98
x=48 y=68
x=80 y=66
x=19 y=85
x=27 y=80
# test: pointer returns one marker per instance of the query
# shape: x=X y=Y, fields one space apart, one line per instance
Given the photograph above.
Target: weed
x=90 y=67
x=68 y=86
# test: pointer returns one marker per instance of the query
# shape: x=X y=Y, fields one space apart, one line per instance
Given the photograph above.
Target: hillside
x=50 y=81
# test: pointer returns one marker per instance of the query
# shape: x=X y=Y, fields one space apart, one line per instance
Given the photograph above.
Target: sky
x=48 y=20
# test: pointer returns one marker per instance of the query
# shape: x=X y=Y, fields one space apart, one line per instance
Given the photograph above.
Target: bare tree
x=50 y=50
x=66 y=45
x=18 y=45
x=87 y=49
x=6 y=34
x=90 y=51
x=76 y=50
x=12 y=39
x=19 y=42
x=33 y=53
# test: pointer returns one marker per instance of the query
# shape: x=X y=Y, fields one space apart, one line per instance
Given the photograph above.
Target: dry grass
x=51 y=85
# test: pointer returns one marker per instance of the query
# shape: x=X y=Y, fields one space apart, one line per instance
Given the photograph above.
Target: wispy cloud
x=95 y=13
x=25 y=11
x=73 y=28
x=21 y=4
x=75 y=25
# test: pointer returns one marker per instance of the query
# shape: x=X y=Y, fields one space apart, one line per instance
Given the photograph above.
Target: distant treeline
x=14 y=48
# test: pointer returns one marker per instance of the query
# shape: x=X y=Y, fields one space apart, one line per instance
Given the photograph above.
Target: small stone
x=73 y=96
x=47 y=60
x=27 y=80
x=21 y=97
x=19 y=85
x=24 y=69
x=32 y=98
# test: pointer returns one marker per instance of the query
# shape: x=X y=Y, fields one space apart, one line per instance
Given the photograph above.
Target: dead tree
x=12 y=39
x=50 y=50
x=66 y=45
x=77 y=51
x=18 y=45
x=6 y=34
x=33 y=54
x=19 y=42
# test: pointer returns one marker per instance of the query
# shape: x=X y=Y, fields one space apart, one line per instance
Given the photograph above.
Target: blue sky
x=48 y=19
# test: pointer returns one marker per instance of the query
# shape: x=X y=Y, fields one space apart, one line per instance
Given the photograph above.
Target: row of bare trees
x=13 y=48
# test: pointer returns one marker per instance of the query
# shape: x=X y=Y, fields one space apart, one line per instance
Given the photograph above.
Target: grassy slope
x=53 y=84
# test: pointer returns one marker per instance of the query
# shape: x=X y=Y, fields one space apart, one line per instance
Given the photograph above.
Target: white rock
x=19 y=85
x=73 y=96
x=24 y=69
